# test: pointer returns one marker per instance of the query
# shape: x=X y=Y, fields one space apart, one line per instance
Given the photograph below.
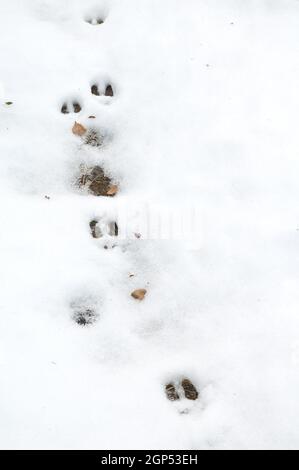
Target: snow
x=204 y=118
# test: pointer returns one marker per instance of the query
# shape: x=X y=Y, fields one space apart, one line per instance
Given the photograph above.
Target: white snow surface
x=204 y=116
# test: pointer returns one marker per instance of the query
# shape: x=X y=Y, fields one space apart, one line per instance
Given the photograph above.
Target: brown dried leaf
x=78 y=129
x=112 y=190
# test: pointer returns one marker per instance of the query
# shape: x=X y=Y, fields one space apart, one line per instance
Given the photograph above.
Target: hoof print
x=95 y=180
x=85 y=316
x=180 y=389
x=76 y=108
x=95 y=21
x=139 y=294
x=103 y=228
x=171 y=392
x=100 y=183
x=84 y=311
x=95 y=90
x=94 y=138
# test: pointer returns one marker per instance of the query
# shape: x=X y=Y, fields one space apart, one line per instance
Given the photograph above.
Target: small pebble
x=139 y=294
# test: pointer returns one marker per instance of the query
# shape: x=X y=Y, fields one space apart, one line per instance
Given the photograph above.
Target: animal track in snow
x=102 y=227
x=73 y=107
x=96 y=181
x=107 y=90
x=95 y=20
x=177 y=389
x=85 y=316
x=84 y=311
x=105 y=230
x=96 y=16
x=93 y=136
